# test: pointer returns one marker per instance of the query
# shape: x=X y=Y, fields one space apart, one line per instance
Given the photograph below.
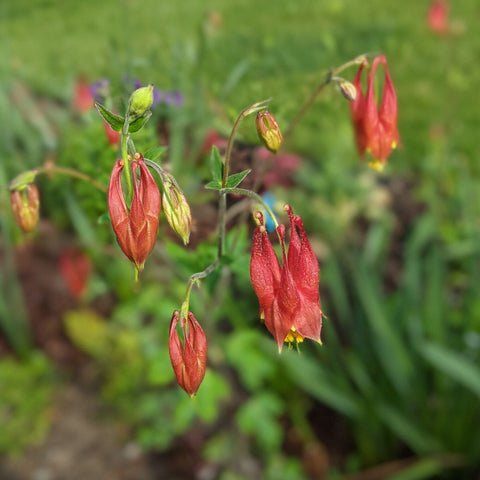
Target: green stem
x=222 y=205
x=72 y=173
x=256 y=196
x=328 y=78
x=125 y=137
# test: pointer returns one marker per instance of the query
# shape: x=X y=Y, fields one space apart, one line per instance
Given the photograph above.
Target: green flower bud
x=176 y=208
x=268 y=130
x=348 y=89
x=141 y=100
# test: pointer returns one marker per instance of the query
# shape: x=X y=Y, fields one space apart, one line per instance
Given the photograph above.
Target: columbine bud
x=135 y=227
x=176 y=208
x=348 y=89
x=189 y=357
x=268 y=130
x=25 y=207
x=141 y=100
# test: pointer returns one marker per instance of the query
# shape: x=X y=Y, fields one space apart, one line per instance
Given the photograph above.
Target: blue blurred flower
x=270 y=200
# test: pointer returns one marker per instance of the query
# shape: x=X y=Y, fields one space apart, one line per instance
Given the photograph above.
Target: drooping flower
x=135 y=227
x=188 y=356
x=375 y=126
x=288 y=294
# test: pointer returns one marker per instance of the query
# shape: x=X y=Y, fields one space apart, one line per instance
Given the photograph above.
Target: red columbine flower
x=135 y=227
x=375 y=127
x=189 y=358
x=288 y=294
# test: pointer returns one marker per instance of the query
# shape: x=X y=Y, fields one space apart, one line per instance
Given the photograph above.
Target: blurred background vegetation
x=394 y=391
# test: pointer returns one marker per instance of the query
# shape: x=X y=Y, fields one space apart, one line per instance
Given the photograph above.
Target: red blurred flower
x=135 y=227
x=437 y=17
x=83 y=100
x=288 y=294
x=375 y=127
x=75 y=267
x=113 y=136
x=189 y=357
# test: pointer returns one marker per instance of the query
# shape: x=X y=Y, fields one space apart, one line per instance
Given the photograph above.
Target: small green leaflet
x=236 y=178
x=114 y=120
x=155 y=153
x=138 y=123
x=216 y=164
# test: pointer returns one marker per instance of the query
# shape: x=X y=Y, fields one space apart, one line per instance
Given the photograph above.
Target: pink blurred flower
x=437 y=17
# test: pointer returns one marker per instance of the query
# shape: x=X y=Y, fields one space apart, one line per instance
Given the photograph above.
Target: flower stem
x=255 y=196
x=125 y=137
x=50 y=168
x=327 y=79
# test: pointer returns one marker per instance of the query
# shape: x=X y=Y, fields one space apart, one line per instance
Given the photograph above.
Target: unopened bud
x=188 y=355
x=176 y=208
x=268 y=130
x=141 y=100
x=25 y=207
x=348 y=89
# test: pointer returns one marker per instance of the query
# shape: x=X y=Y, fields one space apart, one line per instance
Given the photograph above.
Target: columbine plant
x=288 y=291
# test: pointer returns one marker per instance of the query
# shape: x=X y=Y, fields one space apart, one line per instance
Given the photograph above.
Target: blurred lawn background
x=399 y=251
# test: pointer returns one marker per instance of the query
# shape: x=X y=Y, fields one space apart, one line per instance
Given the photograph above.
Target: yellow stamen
x=376 y=165
x=293 y=336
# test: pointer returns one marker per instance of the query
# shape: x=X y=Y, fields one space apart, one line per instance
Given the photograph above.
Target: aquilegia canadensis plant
x=287 y=290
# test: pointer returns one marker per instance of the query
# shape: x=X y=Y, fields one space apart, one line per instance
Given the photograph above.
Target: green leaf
x=258 y=416
x=104 y=218
x=214 y=185
x=23 y=180
x=216 y=164
x=88 y=331
x=139 y=122
x=392 y=352
x=114 y=120
x=237 y=178
x=313 y=378
x=421 y=469
x=453 y=364
x=155 y=153
x=405 y=428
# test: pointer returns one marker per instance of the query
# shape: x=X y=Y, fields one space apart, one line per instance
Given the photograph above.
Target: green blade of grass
x=456 y=366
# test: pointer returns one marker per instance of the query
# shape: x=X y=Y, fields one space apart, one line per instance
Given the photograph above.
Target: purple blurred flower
x=174 y=98
x=100 y=89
